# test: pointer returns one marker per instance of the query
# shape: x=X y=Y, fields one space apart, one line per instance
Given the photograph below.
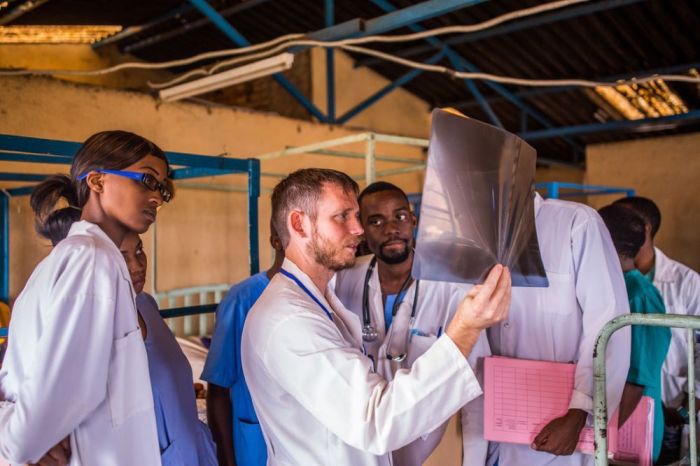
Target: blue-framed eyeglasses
x=146 y=179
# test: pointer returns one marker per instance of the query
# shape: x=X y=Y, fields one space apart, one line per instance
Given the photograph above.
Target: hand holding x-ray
x=484 y=306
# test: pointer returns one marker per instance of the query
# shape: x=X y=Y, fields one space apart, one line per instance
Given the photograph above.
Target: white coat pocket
x=128 y=364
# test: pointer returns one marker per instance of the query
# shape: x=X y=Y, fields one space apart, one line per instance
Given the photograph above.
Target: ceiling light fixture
x=55 y=34
x=228 y=78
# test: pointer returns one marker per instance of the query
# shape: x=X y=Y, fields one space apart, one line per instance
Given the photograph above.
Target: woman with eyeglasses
x=183 y=438
x=76 y=364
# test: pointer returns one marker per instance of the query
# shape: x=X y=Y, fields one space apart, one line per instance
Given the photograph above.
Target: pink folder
x=522 y=396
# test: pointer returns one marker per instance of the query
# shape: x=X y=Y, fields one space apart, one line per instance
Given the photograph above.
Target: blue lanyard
x=306 y=290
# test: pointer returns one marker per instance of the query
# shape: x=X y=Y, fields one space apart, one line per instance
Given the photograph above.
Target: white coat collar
x=349 y=320
x=538 y=203
x=83 y=227
x=663 y=267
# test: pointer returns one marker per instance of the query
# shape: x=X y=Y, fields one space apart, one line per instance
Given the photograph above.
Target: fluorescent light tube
x=228 y=78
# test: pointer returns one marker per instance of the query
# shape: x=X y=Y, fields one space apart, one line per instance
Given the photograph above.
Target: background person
x=376 y=294
x=183 y=438
x=230 y=411
x=79 y=297
x=561 y=323
x=649 y=344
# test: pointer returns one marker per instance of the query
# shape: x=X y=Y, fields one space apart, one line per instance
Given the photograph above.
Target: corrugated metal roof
x=628 y=37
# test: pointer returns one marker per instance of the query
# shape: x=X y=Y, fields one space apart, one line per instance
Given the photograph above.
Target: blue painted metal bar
x=237 y=38
x=351 y=28
x=5 y=248
x=645 y=125
x=513 y=26
x=21 y=177
x=330 y=65
x=253 y=220
x=187 y=173
x=3 y=332
x=25 y=191
x=38 y=146
x=414 y=14
x=31 y=158
x=29 y=147
x=188 y=311
x=475 y=92
x=554 y=188
x=371 y=100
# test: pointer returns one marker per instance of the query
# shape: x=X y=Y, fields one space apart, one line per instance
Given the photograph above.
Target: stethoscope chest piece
x=369 y=333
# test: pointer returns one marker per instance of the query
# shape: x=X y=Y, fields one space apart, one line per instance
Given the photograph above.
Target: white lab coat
x=437 y=303
x=76 y=363
x=317 y=398
x=680 y=289
x=560 y=323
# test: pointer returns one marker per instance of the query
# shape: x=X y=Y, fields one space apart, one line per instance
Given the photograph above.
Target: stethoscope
x=369 y=331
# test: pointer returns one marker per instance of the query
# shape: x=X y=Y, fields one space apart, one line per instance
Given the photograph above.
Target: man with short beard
x=371 y=290
x=316 y=394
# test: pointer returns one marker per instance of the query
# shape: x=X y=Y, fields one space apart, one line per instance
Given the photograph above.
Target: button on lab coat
x=680 y=288
x=560 y=323
x=437 y=303
x=317 y=398
x=76 y=363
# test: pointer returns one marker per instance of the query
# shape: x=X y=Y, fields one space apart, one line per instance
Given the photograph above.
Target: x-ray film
x=477 y=208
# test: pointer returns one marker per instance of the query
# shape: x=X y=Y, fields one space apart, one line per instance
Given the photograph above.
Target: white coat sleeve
x=474 y=446
x=601 y=294
x=68 y=379
x=335 y=383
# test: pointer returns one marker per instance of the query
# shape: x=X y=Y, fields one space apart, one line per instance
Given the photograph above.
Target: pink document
x=522 y=396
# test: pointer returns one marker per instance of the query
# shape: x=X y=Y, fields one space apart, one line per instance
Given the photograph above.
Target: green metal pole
x=691 y=398
x=600 y=409
x=370 y=169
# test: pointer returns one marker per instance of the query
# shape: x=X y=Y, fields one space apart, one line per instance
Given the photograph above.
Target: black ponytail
x=110 y=150
x=54 y=224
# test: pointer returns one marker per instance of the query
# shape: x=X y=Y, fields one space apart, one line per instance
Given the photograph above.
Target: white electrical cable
x=360 y=40
x=154 y=66
x=283 y=43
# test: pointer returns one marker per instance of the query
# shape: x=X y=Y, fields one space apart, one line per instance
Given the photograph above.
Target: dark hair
x=111 y=150
x=379 y=186
x=645 y=208
x=301 y=190
x=626 y=228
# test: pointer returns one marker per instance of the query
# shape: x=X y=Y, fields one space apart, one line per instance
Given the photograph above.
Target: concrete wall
x=664 y=169
x=202 y=234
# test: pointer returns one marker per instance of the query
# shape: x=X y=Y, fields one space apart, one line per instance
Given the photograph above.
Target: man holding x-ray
x=381 y=291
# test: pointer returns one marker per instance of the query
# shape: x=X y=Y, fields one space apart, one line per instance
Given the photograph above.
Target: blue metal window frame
x=37 y=150
x=554 y=189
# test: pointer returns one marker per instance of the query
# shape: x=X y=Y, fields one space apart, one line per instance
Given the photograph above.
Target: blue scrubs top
x=649 y=347
x=184 y=440
x=223 y=368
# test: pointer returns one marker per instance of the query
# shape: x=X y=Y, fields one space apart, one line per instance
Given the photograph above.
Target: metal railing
x=185 y=320
x=600 y=409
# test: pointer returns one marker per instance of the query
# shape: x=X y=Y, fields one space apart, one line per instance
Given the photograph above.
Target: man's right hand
x=484 y=306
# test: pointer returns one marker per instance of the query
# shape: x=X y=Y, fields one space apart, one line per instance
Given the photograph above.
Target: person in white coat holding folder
x=380 y=291
x=316 y=394
x=561 y=323
x=76 y=363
